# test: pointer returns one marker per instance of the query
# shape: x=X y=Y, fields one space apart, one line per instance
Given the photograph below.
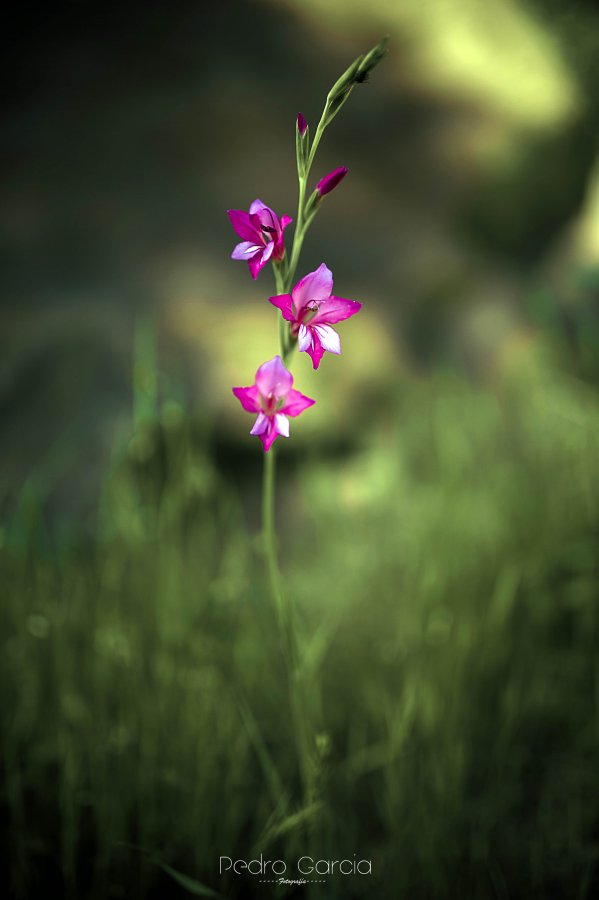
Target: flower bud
x=302 y=144
x=345 y=82
x=371 y=60
x=302 y=125
x=357 y=73
x=330 y=181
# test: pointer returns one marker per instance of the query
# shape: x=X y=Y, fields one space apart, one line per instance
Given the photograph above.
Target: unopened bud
x=371 y=60
x=330 y=181
x=302 y=125
x=345 y=82
x=302 y=144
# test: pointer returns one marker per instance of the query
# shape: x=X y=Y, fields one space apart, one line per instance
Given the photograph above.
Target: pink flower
x=262 y=233
x=312 y=309
x=330 y=181
x=273 y=398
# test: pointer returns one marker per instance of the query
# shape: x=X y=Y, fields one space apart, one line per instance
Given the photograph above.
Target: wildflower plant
x=308 y=310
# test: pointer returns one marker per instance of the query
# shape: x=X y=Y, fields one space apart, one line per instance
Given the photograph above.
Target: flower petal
x=269 y=437
x=249 y=397
x=335 y=309
x=260 y=425
x=328 y=338
x=261 y=214
x=314 y=286
x=273 y=378
x=267 y=252
x=316 y=350
x=282 y=424
x=240 y=221
x=280 y=241
x=296 y=403
x=257 y=206
x=284 y=303
x=245 y=250
x=255 y=264
x=304 y=338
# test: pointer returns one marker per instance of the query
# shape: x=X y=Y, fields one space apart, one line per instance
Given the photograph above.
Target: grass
x=446 y=580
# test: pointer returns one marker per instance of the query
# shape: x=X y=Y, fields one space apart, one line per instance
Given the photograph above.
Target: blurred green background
x=438 y=508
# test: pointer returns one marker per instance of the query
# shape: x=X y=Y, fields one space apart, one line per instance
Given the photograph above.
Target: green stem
x=289 y=351
x=284 y=612
x=316 y=140
x=280 y=269
x=298 y=236
x=268 y=530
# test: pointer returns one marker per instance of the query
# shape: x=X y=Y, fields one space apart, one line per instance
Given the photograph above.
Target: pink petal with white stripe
x=267 y=252
x=282 y=424
x=260 y=425
x=304 y=338
x=245 y=250
x=328 y=338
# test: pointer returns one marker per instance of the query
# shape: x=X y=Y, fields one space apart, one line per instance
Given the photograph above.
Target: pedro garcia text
x=305 y=865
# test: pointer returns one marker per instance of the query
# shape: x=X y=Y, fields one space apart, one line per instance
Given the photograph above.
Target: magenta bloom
x=274 y=399
x=330 y=181
x=312 y=309
x=262 y=233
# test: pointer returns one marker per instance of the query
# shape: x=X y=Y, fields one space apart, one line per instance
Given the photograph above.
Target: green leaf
x=189 y=884
x=289 y=823
x=273 y=779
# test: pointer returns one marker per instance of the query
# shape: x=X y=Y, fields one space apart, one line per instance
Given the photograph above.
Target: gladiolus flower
x=272 y=396
x=312 y=309
x=262 y=233
x=330 y=181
